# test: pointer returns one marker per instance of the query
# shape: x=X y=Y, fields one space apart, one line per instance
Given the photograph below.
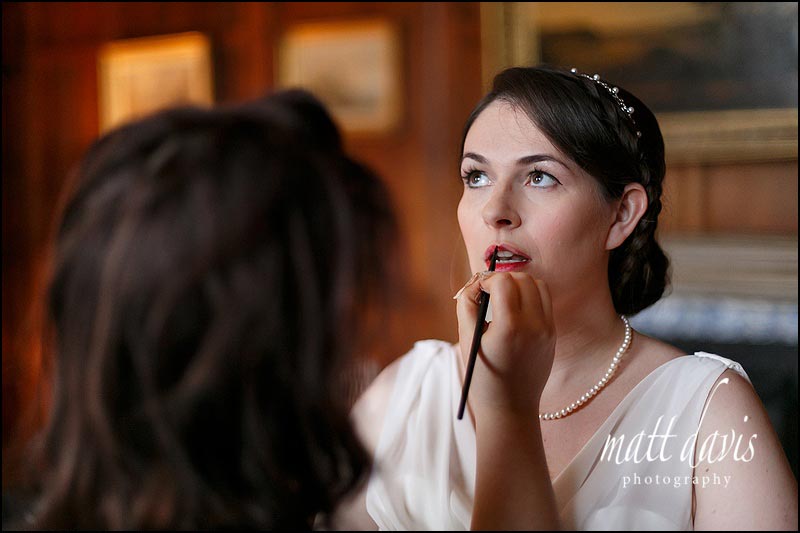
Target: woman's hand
x=512 y=484
x=517 y=347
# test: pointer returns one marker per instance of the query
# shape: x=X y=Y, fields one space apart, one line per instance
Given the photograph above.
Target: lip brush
x=476 y=340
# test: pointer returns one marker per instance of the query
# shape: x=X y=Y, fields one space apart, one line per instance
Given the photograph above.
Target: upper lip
x=503 y=248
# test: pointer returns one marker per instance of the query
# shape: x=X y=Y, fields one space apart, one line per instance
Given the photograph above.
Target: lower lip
x=509 y=267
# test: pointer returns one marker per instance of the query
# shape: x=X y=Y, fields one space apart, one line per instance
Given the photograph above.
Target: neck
x=588 y=338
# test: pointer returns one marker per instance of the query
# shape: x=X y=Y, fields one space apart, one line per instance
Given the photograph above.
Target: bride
x=563 y=173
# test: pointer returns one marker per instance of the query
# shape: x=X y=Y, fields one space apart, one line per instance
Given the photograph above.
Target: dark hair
x=209 y=272
x=583 y=120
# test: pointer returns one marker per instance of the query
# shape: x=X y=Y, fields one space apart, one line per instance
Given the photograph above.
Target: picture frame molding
x=121 y=62
x=386 y=118
x=510 y=37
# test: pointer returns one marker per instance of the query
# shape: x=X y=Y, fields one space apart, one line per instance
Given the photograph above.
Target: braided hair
x=582 y=119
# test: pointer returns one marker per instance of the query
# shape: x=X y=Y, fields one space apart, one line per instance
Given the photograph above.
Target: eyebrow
x=527 y=160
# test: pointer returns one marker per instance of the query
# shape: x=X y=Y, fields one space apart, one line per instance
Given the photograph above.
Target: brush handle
x=473 y=352
x=476 y=340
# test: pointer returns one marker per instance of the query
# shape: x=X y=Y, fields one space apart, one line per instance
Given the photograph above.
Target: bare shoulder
x=737 y=444
x=657 y=351
x=645 y=355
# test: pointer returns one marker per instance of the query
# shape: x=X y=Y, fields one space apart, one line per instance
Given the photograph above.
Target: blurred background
x=400 y=79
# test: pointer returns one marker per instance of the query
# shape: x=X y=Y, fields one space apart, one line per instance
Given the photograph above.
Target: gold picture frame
x=511 y=35
x=352 y=66
x=140 y=76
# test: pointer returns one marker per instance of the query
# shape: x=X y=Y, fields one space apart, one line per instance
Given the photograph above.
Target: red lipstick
x=509 y=258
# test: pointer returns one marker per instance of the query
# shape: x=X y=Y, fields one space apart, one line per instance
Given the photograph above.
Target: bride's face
x=546 y=214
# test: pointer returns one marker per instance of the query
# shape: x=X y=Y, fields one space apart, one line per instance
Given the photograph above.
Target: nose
x=499 y=211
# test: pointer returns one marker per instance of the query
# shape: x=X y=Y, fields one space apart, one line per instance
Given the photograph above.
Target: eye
x=542 y=180
x=476 y=179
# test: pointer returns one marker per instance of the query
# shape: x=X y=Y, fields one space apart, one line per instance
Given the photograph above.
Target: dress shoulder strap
x=731 y=364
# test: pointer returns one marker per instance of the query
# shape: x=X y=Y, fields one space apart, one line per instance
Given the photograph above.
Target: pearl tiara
x=614 y=92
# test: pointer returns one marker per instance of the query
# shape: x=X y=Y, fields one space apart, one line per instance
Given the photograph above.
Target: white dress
x=425 y=460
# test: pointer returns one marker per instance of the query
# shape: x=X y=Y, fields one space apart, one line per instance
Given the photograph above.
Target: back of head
x=583 y=117
x=209 y=270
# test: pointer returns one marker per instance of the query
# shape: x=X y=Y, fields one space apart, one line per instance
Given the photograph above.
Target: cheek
x=461 y=214
x=585 y=222
x=469 y=223
x=572 y=237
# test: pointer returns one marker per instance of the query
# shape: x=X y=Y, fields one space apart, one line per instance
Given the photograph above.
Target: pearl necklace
x=600 y=384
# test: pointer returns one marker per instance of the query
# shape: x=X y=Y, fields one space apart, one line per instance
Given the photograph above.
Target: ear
x=629 y=209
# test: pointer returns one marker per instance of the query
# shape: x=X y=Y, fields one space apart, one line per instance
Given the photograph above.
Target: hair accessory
x=592 y=392
x=614 y=91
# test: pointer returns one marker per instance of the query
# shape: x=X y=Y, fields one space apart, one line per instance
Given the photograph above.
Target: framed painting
x=352 y=66
x=720 y=76
x=140 y=76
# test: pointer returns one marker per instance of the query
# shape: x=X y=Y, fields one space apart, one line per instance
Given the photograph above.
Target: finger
x=467 y=284
x=473 y=279
x=531 y=303
x=466 y=310
x=472 y=290
x=468 y=300
x=505 y=297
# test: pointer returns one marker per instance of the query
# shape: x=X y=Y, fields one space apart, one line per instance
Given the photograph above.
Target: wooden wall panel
x=731 y=199
x=759 y=197
x=441 y=66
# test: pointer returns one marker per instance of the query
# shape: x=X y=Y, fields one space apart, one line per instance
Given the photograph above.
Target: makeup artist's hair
x=210 y=268
x=582 y=119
